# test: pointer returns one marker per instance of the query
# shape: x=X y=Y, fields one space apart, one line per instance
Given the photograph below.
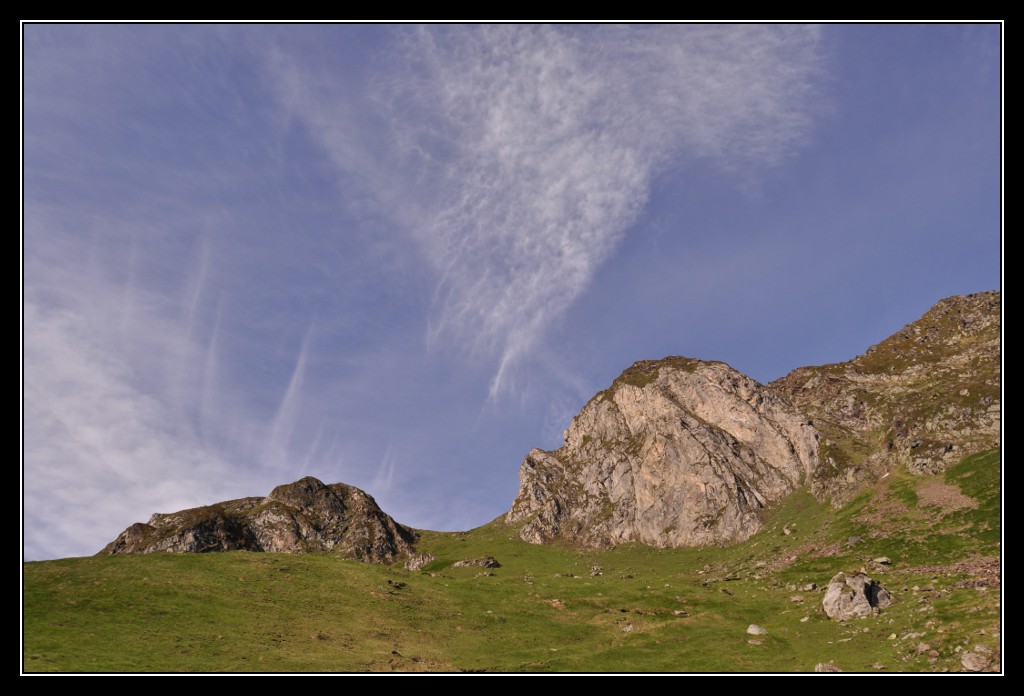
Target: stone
x=852 y=596
x=676 y=452
x=882 y=560
x=482 y=562
x=826 y=667
x=973 y=662
x=755 y=630
x=300 y=517
x=419 y=561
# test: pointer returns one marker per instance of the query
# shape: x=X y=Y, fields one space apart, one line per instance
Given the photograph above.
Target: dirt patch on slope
x=944 y=495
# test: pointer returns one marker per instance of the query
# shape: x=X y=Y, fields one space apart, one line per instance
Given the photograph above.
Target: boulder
x=482 y=562
x=853 y=596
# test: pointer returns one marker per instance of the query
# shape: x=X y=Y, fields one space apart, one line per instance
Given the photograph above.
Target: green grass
x=543 y=609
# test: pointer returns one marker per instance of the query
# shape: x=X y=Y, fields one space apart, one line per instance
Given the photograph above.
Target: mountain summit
x=676 y=452
x=297 y=517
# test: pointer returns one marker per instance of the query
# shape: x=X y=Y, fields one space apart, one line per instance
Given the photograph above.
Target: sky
x=402 y=256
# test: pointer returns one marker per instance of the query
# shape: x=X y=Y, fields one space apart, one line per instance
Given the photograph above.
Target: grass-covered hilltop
x=693 y=521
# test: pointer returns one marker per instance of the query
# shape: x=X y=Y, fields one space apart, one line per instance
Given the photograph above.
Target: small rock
x=755 y=630
x=810 y=587
x=796 y=599
x=755 y=641
x=923 y=648
x=680 y=612
x=878 y=665
x=805 y=619
x=852 y=541
x=973 y=662
x=628 y=628
x=882 y=560
x=826 y=667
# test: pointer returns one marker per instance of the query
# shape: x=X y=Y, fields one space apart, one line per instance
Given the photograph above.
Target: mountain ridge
x=303 y=516
x=678 y=451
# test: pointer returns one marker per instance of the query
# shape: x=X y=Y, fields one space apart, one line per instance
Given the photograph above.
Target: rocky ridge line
x=299 y=517
x=924 y=398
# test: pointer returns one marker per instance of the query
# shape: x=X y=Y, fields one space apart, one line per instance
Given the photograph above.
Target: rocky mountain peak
x=675 y=452
x=682 y=452
x=298 y=517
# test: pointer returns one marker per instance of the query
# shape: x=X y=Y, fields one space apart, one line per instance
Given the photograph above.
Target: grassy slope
x=543 y=610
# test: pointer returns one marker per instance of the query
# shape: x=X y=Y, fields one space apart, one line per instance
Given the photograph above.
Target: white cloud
x=519 y=156
x=96 y=439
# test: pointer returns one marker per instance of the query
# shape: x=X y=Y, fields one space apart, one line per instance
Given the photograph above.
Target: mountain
x=676 y=452
x=923 y=398
x=297 y=517
x=681 y=452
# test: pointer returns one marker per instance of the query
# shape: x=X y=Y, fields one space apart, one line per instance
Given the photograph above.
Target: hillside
x=556 y=607
x=689 y=508
x=923 y=398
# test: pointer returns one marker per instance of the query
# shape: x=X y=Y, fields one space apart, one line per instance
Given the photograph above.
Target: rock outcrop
x=677 y=452
x=295 y=518
x=853 y=596
x=926 y=397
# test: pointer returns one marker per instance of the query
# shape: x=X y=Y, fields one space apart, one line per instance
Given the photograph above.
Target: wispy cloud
x=200 y=317
x=96 y=432
x=519 y=156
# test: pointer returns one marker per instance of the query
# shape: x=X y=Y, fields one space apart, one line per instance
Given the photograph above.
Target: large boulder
x=676 y=452
x=853 y=596
x=298 y=517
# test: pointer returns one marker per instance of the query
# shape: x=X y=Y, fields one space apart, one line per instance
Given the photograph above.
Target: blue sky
x=402 y=256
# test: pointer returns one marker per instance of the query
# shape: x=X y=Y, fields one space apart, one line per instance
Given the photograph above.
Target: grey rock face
x=295 y=518
x=419 y=561
x=677 y=452
x=852 y=596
